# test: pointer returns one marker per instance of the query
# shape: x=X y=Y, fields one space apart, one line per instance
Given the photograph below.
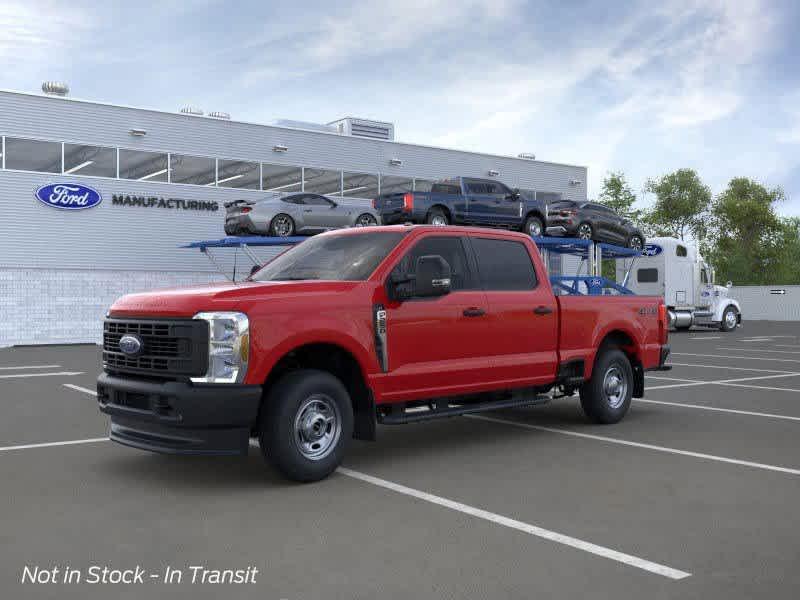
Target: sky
x=639 y=87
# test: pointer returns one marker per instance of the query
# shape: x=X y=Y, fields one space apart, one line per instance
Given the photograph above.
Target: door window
x=703 y=276
x=317 y=201
x=476 y=188
x=504 y=265
x=680 y=251
x=451 y=249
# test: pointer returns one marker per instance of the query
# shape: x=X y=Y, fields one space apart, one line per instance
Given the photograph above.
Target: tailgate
x=389 y=202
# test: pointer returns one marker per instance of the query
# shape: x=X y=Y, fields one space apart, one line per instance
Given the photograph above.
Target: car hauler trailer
x=675 y=270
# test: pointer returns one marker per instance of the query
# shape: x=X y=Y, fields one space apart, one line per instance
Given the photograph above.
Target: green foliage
x=681 y=206
x=618 y=196
x=749 y=243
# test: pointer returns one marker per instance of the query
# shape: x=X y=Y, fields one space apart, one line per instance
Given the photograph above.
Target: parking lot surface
x=693 y=495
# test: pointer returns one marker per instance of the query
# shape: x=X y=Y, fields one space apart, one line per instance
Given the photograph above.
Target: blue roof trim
x=238 y=242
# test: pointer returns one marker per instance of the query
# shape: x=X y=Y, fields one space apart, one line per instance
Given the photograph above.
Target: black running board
x=415 y=415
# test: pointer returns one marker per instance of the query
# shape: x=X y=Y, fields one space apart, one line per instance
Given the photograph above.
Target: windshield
x=333 y=257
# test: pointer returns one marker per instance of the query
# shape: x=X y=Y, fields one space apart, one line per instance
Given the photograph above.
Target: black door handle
x=542 y=310
x=474 y=312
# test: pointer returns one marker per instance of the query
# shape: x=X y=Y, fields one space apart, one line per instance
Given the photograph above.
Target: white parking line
x=763 y=350
x=51 y=444
x=761 y=387
x=744 y=357
x=674 y=364
x=734 y=411
x=671 y=378
x=724 y=381
x=786 y=345
x=20 y=375
x=19 y=368
x=711 y=337
x=78 y=388
x=610 y=440
x=553 y=536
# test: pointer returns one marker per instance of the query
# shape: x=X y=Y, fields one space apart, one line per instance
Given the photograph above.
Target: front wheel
x=305 y=425
x=534 y=227
x=730 y=319
x=606 y=397
x=635 y=242
x=366 y=220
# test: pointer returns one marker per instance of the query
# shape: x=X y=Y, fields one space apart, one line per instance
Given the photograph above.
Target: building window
x=144 y=166
x=423 y=185
x=360 y=185
x=238 y=174
x=396 y=185
x=280 y=178
x=90 y=160
x=323 y=181
x=33 y=155
x=195 y=170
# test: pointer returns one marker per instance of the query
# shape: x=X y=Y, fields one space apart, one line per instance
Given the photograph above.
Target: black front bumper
x=177 y=417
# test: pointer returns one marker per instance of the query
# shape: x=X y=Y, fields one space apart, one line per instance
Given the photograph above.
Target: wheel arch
x=623 y=340
x=334 y=358
x=443 y=208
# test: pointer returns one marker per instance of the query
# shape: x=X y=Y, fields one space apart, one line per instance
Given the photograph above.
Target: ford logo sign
x=130 y=345
x=652 y=250
x=68 y=196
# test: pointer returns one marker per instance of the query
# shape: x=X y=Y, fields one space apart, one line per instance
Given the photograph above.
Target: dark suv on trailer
x=592 y=221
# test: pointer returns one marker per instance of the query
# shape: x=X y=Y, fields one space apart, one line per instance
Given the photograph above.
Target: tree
x=749 y=242
x=682 y=202
x=618 y=195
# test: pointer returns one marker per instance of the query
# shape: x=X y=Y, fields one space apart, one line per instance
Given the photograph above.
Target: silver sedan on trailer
x=282 y=215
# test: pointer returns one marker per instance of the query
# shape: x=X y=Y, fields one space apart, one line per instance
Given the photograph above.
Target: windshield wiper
x=293 y=278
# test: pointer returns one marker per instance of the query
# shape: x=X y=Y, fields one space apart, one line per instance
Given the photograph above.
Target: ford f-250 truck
x=363 y=326
x=466 y=201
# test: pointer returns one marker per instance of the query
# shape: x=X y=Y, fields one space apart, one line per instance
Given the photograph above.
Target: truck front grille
x=177 y=347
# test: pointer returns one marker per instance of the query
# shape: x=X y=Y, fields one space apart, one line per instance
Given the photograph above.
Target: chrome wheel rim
x=615 y=387
x=317 y=427
x=282 y=226
x=438 y=220
x=535 y=228
x=585 y=232
x=730 y=319
x=636 y=243
x=366 y=221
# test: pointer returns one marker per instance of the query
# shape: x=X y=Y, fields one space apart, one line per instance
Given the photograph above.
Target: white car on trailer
x=672 y=268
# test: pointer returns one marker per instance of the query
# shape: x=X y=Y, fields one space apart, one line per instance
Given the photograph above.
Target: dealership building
x=161 y=180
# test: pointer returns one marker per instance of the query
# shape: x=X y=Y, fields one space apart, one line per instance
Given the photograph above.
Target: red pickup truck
x=363 y=326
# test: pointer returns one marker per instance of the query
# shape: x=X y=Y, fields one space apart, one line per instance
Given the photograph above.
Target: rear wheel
x=305 y=424
x=281 y=225
x=584 y=231
x=437 y=216
x=534 y=227
x=730 y=319
x=366 y=220
x=606 y=397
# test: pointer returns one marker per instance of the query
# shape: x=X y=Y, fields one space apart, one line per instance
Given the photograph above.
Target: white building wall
x=767 y=303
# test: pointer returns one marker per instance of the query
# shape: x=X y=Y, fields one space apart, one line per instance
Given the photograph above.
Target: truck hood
x=187 y=301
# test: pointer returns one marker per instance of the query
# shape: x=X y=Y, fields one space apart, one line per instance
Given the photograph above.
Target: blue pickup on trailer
x=466 y=201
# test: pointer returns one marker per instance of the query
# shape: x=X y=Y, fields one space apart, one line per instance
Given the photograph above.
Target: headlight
x=228 y=347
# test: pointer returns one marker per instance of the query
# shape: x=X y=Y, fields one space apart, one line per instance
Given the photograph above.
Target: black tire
x=282 y=443
x=436 y=216
x=729 y=324
x=276 y=228
x=597 y=403
x=579 y=231
x=636 y=242
x=366 y=220
x=533 y=223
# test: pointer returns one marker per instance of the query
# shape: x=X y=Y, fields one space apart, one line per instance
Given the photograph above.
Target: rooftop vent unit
x=527 y=155
x=216 y=114
x=55 y=88
x=376 y=130
x=304 y=125
x=192 y=110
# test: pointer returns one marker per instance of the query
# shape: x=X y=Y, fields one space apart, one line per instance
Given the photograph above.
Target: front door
x=522 y=338
x=504 y=208
x=436 y=346
x=321 y=213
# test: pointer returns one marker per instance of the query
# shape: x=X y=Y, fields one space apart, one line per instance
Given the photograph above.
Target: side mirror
x=333 y=204
x=433 y=277
x=514 y=195
x=729 y=285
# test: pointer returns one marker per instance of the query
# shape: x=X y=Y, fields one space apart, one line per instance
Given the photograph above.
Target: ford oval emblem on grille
x=130 y=345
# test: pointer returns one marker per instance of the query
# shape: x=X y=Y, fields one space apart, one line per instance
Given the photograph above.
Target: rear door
x=436 y=346
x=522 y=340
x=478 y=202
